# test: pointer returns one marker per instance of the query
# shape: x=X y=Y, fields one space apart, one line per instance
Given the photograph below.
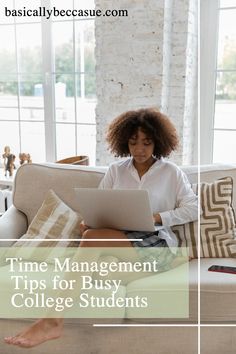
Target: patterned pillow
x=217 y=222
x=54 y=220
x=187 y=237
x=217 y=219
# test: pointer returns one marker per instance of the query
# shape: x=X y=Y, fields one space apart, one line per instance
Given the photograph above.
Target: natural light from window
x=225 y=96
x=64 y=61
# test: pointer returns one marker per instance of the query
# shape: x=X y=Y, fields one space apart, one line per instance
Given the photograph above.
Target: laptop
x=115 y=208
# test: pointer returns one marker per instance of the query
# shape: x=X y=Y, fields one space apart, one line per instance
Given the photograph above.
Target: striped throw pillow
x=217 y=219
x=217 y=223
x=187 y=237
x=54 y=220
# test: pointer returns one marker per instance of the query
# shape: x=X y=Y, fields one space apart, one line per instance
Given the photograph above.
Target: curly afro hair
x=153 y=123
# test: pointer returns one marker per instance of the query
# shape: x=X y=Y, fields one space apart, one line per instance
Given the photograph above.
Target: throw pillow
x=54 y=220
x=217 y=222
x=217 y=219
x=187 y=237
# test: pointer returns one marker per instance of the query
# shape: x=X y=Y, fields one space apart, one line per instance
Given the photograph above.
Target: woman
x=146 y=137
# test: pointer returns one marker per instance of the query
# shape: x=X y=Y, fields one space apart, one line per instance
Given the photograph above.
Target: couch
x=169 y=336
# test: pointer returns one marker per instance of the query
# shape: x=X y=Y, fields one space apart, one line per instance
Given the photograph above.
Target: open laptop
x=115 y=208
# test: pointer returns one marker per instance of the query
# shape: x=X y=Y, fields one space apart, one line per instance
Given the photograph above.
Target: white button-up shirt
x=169 y=190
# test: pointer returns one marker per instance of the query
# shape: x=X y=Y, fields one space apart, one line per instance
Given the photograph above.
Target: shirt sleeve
x=107 y=181
x=186 y=204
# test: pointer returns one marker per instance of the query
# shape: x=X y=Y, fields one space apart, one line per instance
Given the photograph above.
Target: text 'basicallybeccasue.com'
x=49 y=13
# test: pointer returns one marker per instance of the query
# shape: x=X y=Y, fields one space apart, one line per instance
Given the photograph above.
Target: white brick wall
x=148 y=59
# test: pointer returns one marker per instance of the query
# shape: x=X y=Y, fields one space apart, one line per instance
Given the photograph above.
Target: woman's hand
x=157 y=219
x=83 y=227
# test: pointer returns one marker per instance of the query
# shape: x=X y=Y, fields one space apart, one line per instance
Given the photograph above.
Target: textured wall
x=147 y=59
x=182 y=98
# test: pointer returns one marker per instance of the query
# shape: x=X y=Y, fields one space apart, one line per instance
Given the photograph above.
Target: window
x=218 y=81
x=47 y=83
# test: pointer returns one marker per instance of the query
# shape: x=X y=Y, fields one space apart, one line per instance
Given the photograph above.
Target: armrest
x=13 y=224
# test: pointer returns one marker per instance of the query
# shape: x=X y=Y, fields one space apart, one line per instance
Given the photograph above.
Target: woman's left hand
x=157 y=219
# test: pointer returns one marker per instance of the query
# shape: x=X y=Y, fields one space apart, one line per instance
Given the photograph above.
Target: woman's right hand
x=83 y=227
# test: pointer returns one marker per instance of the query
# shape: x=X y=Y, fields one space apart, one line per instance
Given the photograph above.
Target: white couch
x=217 y=292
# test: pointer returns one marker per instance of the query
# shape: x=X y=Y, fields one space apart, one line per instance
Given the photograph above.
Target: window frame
x=209 y=39
x=209 y=23
x=48 y=81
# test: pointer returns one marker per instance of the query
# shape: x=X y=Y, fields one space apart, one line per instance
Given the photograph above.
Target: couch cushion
x=33 y=181
x=218 y=291
x=158 y=289
x=8 y=290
